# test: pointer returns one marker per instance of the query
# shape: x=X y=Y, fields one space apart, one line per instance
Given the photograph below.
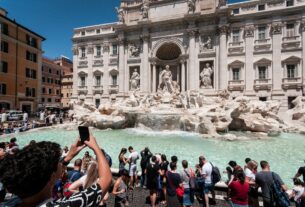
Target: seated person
x=31 y=174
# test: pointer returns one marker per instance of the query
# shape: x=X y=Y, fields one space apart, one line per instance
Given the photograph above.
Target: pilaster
x=302 y=29
x=277 y=76
x=145 y=70
x=121 y=43
x=249 y=71
x=90 y=81
x=193 y=71
x=75 y=75
x=223 y=79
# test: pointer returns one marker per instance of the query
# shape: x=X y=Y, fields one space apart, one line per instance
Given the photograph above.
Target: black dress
x=152 y=176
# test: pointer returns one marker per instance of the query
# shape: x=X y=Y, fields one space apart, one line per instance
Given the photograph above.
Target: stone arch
x=162 y=42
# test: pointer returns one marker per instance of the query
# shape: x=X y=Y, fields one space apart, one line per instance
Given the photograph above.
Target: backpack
x=192 y=180
x=66 y=191
x=278 y=196
x=215 y=175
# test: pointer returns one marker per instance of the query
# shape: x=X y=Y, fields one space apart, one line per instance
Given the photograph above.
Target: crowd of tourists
x=37 y=175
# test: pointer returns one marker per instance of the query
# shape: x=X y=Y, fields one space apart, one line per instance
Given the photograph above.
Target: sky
x=56 y=19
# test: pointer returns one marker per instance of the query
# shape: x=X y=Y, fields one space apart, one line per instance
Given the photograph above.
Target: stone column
x=182 y=75
x=223 y=79
x=303 y=53
x=121 y=62
x=277 y=76
x=249 y=47
x=193 y=71
x=75 y=75
x=145 y=71
x=154 y=78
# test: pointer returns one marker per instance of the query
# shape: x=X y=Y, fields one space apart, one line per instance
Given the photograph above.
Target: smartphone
x=83 y=133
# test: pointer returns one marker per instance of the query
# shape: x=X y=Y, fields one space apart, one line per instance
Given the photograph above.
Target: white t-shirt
x=299 y=190
x=249 y=174
x=134 y=156
x=207 y=172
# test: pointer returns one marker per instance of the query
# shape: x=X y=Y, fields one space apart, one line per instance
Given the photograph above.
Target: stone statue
x=206 y=76
x=134 y=50
x=207 y=45
x=134 y=80
x=166 y=81
x=145 y=8
x=121 y=15
x=191 y=5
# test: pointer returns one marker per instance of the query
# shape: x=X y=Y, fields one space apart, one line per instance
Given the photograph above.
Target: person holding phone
x=40 y=165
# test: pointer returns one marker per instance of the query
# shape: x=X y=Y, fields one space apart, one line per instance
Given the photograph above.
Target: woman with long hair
x=250 y=171
x=122 y=159
x=88 y=180
x=238 y=190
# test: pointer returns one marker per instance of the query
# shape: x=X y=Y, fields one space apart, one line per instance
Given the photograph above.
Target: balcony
x=236 y=85
x=82 y=90
x=262 y=45
x=113 y=89
x=262 y=84
x=292 y=83
x=236 y=47
x=113 y=61
x=97 y=89
x=292 y=42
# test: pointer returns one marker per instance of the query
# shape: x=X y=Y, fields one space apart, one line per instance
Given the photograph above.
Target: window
x=83 y=52
x=83 y=33
x=50 y=70
x=236 y=11
x=49 y=100
x=31 y=56
x=98 y=80
x=290 y=100
x=43 y=79
x=98 y=31
x=290 y=30
x=57 y=72
x=236 y=72
x=42 y=100
x=31 y=41
x=261 y=7
x=235 y=35
x=114 y=80
x=67 y=95
x=51 y=80
x=262 y=33
x=82 y=81
x=289 y=3
x=29 y=73
x=57 y=92
x=98 y=51
x=4 y=46
x=97 y=103
x=43 y=90
x=4 y=28
x=50 y=90
x=263 y=98
x=291 y=71
x=114 y=49
x=3 y=67
x=262 y=72
x=2 y=89
x=30 y=92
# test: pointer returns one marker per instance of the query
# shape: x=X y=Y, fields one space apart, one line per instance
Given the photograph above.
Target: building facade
x=50 y=84
x=254 y=48
x=66 y=80
x=20 y=63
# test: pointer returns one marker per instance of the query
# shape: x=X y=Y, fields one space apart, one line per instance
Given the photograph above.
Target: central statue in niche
x=166 y=83
x=206 y=77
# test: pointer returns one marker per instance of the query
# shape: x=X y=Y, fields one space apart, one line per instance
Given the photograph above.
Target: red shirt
x=239 y=192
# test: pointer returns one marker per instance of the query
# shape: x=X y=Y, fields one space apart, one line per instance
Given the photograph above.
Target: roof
x=23 y=27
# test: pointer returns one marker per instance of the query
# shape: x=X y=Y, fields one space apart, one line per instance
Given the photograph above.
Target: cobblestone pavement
x=138 y=199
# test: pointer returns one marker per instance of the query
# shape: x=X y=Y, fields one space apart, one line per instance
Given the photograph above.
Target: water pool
x=284 y=153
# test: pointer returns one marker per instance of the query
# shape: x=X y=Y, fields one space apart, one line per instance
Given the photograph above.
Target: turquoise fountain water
x=284 y=153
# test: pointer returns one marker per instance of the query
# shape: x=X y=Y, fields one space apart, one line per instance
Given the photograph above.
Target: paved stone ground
x=138 y=199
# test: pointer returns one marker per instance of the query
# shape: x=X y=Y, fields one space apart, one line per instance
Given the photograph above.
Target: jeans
x=236 y=205
x=143 y=178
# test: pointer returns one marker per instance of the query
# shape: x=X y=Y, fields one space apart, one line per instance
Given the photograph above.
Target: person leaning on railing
x=31 y=174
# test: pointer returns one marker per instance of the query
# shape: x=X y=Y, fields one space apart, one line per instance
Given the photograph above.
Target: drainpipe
x=16 y=72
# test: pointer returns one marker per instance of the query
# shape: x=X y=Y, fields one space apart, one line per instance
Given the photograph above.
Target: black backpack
x=215 y=176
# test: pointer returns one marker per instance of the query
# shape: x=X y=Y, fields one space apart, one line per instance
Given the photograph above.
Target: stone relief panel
x=276 y=28
x=134 y=50
x=206 y=74
x=97 y=63
x=191 y=6
x=206 y=43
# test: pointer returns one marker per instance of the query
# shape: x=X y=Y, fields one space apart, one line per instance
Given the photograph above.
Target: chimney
x=3 y=12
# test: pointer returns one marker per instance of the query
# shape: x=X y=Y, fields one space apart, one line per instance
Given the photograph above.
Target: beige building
x=20 y=63
x=254 y=48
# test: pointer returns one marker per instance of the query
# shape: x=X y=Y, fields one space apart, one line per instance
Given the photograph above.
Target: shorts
x=208 y=187
x=132 y=170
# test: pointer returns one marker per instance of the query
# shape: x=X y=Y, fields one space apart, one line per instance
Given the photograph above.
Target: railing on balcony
x=262 y=41
x=236 y=85
x=98 y=89
x=292 y=38
x=292 y=83
x=82 y=89
x=113 y=88
x=236 y=44
x=262 y=84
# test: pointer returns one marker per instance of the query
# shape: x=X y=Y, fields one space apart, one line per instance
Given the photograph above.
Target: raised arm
x=104 y=172
x=75 y=186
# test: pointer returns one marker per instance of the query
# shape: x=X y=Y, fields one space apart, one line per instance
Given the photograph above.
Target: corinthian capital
x=192 y=32
x=249 y=30
x=223 y=29
x=276 y=28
